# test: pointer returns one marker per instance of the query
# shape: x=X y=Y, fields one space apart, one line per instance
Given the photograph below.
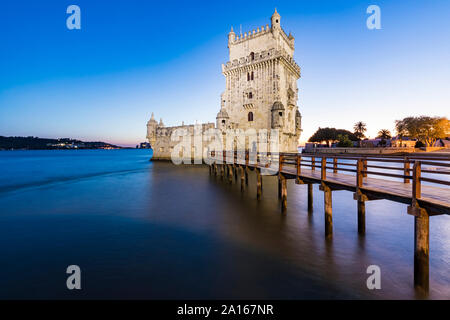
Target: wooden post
x=283 y=192
x=279 y=187
x=365 y=167
x=235 y=172
x=310 y=197
x=359 y=174
x=299 y=166
x=258 y=183
x=361 y=204
x=417 y=186
x=335 y=163
x=313 y=163
x=280 y=162
x=422 y=251
x=361 y=217
x=421 y=234
x=242 y=178
x=323 y=172
x=406 y=170
x=230 y=174
x=328 y=211
x=280 y=167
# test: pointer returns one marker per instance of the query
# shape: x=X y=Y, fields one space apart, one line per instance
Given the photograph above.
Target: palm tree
x=360 y=128
x=384 y=134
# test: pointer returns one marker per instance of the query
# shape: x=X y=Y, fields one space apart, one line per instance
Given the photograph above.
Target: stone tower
x=261 y=83
x=151 y=130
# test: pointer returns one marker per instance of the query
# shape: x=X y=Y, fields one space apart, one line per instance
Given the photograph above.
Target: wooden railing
x=361 y=167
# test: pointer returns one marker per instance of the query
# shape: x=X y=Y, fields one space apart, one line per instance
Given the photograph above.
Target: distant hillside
x=35 y=143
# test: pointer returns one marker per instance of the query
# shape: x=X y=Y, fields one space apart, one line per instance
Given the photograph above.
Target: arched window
x=250 y=116
x=252 y=75
x=248 y=76
x=252 y=56
x=250 y=95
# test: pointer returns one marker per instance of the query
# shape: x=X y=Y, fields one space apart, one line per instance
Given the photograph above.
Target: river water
x=141 y=229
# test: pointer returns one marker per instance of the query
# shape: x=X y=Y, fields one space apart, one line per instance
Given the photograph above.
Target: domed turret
x=277 y=115
x=222 y=119
x=298 y=121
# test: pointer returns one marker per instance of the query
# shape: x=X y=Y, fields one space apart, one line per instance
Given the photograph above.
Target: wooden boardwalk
x=368 y=177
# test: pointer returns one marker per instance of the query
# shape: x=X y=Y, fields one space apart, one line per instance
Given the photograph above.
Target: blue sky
x=132 y=58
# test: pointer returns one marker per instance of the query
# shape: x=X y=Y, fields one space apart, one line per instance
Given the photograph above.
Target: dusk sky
x=132 y=58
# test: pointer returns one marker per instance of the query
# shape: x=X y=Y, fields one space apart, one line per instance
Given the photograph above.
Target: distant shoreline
x=35 y=143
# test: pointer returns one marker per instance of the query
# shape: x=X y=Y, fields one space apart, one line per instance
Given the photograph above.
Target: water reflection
x=165 y=231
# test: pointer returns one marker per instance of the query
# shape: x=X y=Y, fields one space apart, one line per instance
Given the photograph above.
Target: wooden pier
x=365 y=176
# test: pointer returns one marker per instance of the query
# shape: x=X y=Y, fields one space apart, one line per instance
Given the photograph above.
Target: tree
x=360 y=128
x=344 y=141
x=384 y=134
x=330 y=135
x=423 y=128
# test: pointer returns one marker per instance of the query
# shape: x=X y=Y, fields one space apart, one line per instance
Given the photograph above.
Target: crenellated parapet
x=261 y=58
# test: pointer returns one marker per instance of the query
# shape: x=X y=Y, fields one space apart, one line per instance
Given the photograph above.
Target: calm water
x=140 y=229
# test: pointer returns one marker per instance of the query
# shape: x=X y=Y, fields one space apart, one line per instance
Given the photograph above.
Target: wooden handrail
x=296 y=161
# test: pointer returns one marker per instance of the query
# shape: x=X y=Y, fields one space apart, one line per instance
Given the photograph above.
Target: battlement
x=259 y=32
x=162 y=131
x=261 y=57
x=251 y=34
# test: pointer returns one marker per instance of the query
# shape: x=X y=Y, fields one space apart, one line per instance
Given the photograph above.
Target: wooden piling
x=328 y=211
x=361 y=217
x=422 y=252
x=242 y=178
x=421 y=233
x=283 y=192
x=310 y=197
x=230 y=174
x=258 y=184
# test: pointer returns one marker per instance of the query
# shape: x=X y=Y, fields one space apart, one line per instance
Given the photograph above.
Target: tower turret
x=151 y=130
x=276 y=20
x=231 y=37
x=222 y=119
x=277 y=115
